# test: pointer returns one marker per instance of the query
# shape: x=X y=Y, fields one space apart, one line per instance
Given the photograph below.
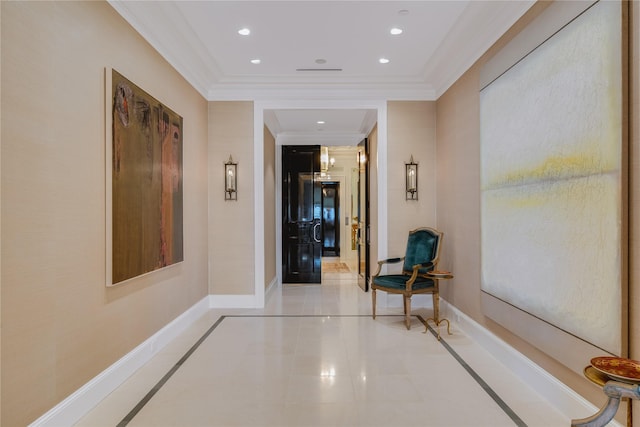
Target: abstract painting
x=551 y=193
x=146 y=181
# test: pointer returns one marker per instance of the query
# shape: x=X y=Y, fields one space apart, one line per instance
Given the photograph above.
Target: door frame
x=262 y=107
x=364 y=233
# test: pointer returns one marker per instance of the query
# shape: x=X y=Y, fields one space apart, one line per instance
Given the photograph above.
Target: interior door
x=301 y=211
x=331 y=219
x=363 y=215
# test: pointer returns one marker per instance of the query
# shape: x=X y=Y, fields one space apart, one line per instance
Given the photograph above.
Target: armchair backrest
x=423 y=245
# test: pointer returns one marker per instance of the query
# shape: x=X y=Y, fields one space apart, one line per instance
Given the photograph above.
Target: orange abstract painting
x=146 y=182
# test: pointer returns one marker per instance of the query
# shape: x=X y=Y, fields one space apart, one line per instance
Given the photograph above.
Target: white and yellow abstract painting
x=551 y=194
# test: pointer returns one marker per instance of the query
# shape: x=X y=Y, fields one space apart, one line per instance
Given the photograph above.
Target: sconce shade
x=230 y=180
x=411 y=180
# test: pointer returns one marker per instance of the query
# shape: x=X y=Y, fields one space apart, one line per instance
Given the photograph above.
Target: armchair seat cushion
x=398 y=282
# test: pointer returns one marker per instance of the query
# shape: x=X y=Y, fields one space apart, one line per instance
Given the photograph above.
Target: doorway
x=301 y=219
x=331 y=219
x=266 y=114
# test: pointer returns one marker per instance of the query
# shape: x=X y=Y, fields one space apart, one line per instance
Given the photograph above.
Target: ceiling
x=321 y=50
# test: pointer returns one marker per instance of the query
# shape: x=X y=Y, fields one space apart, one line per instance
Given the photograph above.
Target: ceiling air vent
x=318 y=69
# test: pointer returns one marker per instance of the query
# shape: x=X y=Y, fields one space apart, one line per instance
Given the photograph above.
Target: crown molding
x=290 y=92
x=194 y=63
x=444 y=69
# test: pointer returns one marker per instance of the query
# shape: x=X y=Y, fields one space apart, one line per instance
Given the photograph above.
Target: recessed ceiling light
x=320 y=122
x=244 y=31
x=255 y=61
x=383 y=60
x=403 y=12
x=321 y=61
x=395 y=31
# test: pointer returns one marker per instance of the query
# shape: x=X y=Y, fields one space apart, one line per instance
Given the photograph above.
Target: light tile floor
x=315 y=357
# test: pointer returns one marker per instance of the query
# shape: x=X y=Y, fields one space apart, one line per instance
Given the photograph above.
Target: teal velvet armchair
x=421 y=257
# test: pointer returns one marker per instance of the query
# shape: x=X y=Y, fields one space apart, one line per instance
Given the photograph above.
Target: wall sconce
x=230 y=180
x=411 y=178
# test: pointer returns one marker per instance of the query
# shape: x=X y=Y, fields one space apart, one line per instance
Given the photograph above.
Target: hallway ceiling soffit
x=341 y=127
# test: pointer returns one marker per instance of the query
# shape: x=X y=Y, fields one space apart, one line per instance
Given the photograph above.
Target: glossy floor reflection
x=315 y=357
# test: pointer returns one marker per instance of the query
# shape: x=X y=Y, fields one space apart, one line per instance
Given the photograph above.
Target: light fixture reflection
x=328 y=373
x=324 y=159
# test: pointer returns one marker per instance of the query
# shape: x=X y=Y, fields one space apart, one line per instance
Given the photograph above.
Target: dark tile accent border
x=501 y=403
x=127 y=419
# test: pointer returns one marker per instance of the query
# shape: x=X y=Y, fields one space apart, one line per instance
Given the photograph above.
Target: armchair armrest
x=423 y=265
x=387 y=261
x=390 y=260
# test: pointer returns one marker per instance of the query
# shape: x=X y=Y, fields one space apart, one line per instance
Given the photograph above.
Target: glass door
x=331 y=219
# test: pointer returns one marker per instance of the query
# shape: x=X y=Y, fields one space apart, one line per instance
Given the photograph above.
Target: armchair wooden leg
x=407 y=311
x=404 y=304
x=373 y=301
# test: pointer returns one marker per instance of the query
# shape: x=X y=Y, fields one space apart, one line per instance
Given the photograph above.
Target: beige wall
x=458 y=206
x=60 y=325
x=269 y=208
x=411 y=130
x=231 y=223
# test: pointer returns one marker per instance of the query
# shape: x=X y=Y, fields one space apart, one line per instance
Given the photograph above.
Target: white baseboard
x=233 y=301
x=73 y=408
x=554 y=391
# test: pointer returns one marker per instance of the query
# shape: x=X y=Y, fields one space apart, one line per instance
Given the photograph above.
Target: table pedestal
x=437 y=276
x=615 y=391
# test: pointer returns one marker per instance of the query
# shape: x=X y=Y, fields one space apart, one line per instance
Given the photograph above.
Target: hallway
x=314 y=357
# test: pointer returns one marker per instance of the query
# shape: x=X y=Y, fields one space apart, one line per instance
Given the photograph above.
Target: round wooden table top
x=596 y=376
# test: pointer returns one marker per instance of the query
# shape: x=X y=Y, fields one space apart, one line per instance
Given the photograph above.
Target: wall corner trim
x=76 y=405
